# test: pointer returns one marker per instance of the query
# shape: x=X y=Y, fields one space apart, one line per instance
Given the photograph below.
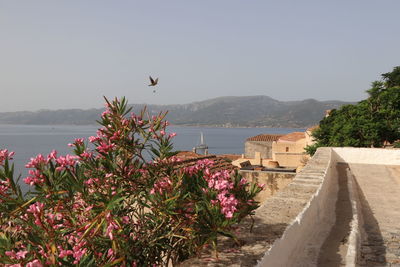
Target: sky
x=69 y=53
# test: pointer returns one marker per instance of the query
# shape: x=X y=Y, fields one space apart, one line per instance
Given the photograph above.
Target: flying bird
x=153 y=82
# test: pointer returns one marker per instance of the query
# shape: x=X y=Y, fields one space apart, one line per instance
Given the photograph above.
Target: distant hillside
x=231 y=111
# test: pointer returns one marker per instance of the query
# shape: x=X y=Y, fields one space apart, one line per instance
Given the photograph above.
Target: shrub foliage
x=120 y=199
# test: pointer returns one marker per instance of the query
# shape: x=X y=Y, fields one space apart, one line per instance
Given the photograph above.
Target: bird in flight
x=153 y=82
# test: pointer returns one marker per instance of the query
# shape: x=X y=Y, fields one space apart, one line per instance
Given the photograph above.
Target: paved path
x=379 y=192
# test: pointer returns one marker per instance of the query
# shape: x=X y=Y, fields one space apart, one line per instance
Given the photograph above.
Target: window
x=287 y=149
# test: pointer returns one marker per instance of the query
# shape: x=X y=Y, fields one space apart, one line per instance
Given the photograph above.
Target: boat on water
x=202 y=146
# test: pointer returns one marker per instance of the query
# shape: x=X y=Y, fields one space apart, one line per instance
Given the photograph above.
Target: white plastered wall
x=368 y=155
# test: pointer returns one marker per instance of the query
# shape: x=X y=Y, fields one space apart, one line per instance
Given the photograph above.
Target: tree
x=369 y=123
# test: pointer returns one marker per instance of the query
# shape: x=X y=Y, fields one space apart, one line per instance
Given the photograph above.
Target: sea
x=30 y=140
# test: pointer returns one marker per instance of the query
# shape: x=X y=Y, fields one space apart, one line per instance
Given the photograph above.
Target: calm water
x=29 y=140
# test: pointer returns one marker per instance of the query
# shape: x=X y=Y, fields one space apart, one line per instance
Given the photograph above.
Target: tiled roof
x=183 y=155
x=293 y=137
x=230 y=156
x=265 y=137
x=220 y=163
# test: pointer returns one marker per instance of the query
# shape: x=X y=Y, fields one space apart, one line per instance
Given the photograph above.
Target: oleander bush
x=121 y=199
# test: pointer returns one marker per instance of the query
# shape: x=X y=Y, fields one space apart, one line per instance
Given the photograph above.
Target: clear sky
x=67 y=54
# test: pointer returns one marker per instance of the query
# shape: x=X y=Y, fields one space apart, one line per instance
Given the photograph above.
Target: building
x=272 y=150
x=289 y=151
x=261 y=143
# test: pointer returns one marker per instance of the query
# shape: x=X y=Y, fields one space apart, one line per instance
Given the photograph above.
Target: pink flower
x=86 y=155
x=52 y=155
x=228 y=204
x=110 y=252
x=172 y=135
x=228 y=214
x=79 y=141
x=35 y=178
x=162 y=185
x=4 y=154
x=110 y=228
x=78 y=252
x=89 y=181
x=125 y=122
x=36 y=208
x=16 y=256
x=125 y=220
x=34 y=263
x=105 y=147
x=36 y=162
x=100 y=133
x=65 y=253
x=93 y=139
x=4 y=186
x=116 y=135
x=105 y=113
x=21 y=254
x=65 y=162
x=10 y=254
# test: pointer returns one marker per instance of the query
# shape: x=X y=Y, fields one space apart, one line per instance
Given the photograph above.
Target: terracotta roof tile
x=265 y=137
x=230 y=156
x=293 y=137
x=183 y=155
x=220 y=163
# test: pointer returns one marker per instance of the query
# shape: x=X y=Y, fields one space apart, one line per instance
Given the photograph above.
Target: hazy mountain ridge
x=230 y=111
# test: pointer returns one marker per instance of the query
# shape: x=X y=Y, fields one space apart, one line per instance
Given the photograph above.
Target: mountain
x=230 y=111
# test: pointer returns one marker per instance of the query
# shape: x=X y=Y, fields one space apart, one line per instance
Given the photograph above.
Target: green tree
x=368 y=123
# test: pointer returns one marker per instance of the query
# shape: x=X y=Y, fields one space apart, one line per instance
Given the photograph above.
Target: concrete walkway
x=379 y=192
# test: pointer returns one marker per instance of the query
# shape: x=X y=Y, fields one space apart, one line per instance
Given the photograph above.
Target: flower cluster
x=162 y=185
x=4 y=154
x=4 y=188
x=220 y=182
x=41 y=163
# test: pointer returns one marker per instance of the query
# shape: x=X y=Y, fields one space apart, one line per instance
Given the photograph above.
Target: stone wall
x=315 y=187
x=265 y=148
x=274 y=181
x=290 y=159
